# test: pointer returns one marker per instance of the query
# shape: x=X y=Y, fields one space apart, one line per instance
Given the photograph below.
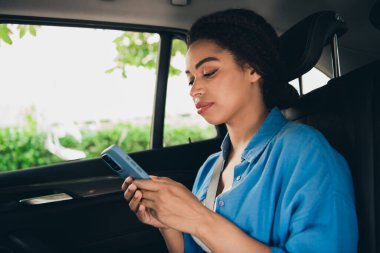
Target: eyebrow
x=207 y=59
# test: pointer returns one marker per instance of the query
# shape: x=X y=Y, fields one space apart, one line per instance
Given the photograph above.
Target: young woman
x=282 y=188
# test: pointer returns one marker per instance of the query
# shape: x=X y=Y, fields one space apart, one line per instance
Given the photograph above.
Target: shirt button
x=238 y=178
x=221 y=203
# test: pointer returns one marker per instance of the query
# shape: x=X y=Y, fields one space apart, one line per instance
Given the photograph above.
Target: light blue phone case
x=122 y=163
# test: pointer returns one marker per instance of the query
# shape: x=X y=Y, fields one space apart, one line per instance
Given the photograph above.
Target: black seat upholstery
x=347 y=112
x=374 y=15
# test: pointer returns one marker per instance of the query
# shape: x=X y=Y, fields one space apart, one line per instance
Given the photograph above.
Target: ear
x=253 y=77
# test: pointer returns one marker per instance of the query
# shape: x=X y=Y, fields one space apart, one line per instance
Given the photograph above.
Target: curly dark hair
x=251 y=40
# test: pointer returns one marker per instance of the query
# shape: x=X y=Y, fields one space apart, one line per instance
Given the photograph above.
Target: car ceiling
x=360 y=45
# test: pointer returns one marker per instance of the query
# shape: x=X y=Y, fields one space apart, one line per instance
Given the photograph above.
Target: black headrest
x=302 y=45
x=374 y=15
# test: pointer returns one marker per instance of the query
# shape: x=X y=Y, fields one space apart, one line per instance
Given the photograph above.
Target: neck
x=243 y=129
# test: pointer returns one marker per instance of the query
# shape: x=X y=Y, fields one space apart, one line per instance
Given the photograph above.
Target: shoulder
x=299 y=140
x=304 y=143
x=309 y=158
x=297 y=133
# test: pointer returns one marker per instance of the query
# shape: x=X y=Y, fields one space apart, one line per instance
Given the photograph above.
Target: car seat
x=345 y=110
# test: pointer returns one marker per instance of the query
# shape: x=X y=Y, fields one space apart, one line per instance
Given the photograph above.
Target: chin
x=214 y=121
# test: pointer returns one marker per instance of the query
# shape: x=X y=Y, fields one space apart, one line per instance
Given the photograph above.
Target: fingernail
x=136 y=196
x=132 y=187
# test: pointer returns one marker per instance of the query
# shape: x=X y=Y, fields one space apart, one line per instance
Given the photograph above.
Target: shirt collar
x=270 y=127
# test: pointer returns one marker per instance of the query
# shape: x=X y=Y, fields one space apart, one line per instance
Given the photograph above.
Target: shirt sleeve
x=331 y=227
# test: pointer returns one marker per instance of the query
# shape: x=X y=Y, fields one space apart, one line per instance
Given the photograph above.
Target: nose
x=196 y=90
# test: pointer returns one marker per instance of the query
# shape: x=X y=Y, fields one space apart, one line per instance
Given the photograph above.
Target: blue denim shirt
x=292 y=191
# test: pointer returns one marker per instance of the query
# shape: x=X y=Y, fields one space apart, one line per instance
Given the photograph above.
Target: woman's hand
x=133 y=196
x=171 y=204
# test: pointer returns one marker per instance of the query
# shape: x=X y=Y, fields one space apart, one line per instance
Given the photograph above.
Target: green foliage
x=25 y=147
x=141 y=50
x=129 y=138
x=23 y=29
x=135 y=49
x=178 y=47
x=184 y=134
x=6 y=32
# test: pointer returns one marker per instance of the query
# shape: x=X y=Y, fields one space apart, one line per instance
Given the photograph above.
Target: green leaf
x=174 y=71
x=133 y=49
x=4 y=34
x=109 y=71
x=22 y=29
x=178 y=46
x=32 y=30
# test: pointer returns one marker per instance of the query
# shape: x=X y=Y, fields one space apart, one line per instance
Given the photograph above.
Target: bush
x=25 y=147
x=179 y=135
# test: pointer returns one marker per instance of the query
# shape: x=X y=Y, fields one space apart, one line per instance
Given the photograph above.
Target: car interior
x=337 y=37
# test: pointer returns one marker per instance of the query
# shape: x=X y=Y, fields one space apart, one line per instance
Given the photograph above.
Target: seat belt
x=214 y=182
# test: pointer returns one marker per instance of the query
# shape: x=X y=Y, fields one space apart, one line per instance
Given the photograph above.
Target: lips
x=203 y=106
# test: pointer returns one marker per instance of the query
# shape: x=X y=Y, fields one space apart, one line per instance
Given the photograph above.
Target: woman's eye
x=205 y=74
x=211 y=73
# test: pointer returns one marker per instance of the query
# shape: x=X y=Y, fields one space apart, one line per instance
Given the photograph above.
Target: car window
x=310 y=81
x=68 y=93
x=182 y=123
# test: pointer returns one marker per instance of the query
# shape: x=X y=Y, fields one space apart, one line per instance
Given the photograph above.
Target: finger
x=149 y=195
x=126 y=183
x=165 y=180
x=162 y=179
x=148 y=185
x=135 y=201
x=141 y=208
x=141 y=212
x=147 y=203
x=128 y=194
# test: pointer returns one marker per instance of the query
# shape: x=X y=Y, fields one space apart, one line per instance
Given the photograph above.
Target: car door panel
x=96 y=218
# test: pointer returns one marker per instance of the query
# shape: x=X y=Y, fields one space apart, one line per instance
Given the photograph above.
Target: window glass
x=311 y=81
x=68 y=93
x=295 y=84
x=182 y=123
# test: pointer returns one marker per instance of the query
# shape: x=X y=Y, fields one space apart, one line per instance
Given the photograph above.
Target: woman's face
x=221 y=90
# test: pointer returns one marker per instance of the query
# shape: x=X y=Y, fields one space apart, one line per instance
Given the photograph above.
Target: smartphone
x=122 y=163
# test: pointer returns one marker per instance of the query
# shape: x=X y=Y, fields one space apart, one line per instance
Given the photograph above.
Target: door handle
x=46 y=199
